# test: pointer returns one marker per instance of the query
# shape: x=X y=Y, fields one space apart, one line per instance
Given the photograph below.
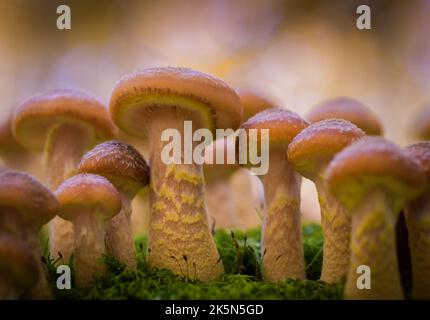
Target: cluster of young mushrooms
x=363 y=183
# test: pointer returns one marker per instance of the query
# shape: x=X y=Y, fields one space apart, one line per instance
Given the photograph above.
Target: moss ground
x=240 y=253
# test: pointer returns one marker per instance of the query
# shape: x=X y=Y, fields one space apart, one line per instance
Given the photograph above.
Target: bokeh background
x=296 y=52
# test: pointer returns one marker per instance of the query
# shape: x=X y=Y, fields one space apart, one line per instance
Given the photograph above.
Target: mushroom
x=417 y=215
x=65 y=123
x=253 y=102
x=18 y=268
x=25 y=206
x=421 y=124
x=89 y=201
x=218 y=189
x=126 y=169
x=310 y=152
x=281 y=244
x=374 y=179
x=347 y=109
x=147 y=103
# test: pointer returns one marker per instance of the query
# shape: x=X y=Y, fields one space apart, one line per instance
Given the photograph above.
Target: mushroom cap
x=421 y=124
x=138 y=95
x=420 y=152
x=17 y=263
x=347 y=109
x=120 y=163
x=27 y=195
x=253 y=103
x=217 y=171
x=34 y=118
x=374 y=163
x=8 y=144
x=85 y=192
x=283 y=124
x=315 y=146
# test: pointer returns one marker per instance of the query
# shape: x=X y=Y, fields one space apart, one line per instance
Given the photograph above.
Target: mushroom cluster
x=363 y=182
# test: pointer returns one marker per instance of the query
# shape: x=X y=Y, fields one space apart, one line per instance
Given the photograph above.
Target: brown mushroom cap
x=17 y=263
x=119 y=162
x=8 y=144
x=253 y=103
x=31 y=198
x=317 y=144
x=421 y=125
x=420 y=152
x=34 y=118
x=85 y=192
x=374 y=163
x=347 y=109
x=283 y=124
x=138 y=95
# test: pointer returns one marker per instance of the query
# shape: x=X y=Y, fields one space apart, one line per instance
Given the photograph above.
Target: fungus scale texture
x=179 y=235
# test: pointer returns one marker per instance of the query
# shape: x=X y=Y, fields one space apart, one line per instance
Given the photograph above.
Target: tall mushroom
x=310 y=152
x=373 y=179
x=89 y=201
x=147 y=103
x=347 y=109
x=18 y=268
x=282 y=250
x=417 y=214
x=126 y=169
x=25 y=206
x=65 y=123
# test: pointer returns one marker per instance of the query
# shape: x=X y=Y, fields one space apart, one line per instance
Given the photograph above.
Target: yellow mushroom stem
x=179 y=235
x=119 y=237
x=373 y=244
x=281 y=245
x=417 y=216
x=64 y=148
x=336 y=226
x=140 y=213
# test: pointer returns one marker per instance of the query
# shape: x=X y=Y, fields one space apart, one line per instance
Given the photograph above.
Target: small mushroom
x=281 y=243
x=18 y=268
x=25 y=206
x=417 y=215
x=147 y=103
x=347 y=109
x=89 y=201
x=65 y=124
x=310 y=152
x=374 y=179
x=253 y=102
x=126 y=169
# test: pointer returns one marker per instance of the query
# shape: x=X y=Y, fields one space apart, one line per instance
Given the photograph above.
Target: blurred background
x=297 y=52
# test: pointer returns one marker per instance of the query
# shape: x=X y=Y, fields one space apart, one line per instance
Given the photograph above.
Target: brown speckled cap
x=421 y=124
x=85 y=192
x=253 y=102
x=34 y=118
x=317 y=144
x=347 y=109
x=374 y=163
x=420 y=152
x=119 y=162
x=140 y=94
x=31 y=198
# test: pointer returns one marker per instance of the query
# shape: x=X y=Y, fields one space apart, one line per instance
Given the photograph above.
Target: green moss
x=240 y=253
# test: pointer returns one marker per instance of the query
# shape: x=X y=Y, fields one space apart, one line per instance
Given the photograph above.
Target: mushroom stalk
x=90 y=246
x=282 y=249
x=336 y=226
x=64 y=148
x=417 y=216
x=373 y=244
x=179 y=234
x=220 y=205
x=119 y=238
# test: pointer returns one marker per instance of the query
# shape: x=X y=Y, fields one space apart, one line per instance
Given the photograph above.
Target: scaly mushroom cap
x=374 y=163
x=347 y=109
x=85 y=192
x=35 y=117
x=253 y=103
x=119 y=162
x=421 y=125
x=26 y=194
x=420 y=152
x=213 y=170
x=136 y=96
x=317 y=144
x=17 y=263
